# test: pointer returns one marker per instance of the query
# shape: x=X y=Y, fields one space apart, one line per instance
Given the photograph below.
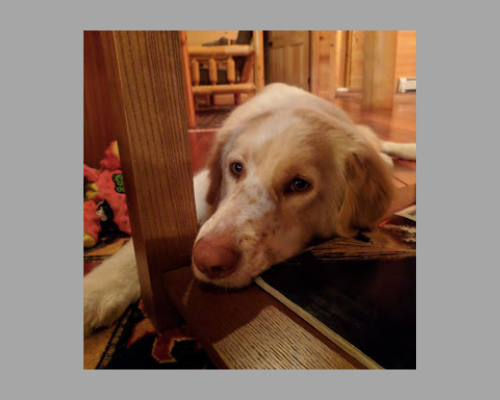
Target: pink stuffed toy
x=104 y=197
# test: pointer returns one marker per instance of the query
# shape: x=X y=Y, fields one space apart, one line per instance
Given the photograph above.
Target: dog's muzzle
x=215 y=256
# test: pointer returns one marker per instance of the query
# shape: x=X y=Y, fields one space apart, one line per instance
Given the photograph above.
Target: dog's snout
x=215 y=256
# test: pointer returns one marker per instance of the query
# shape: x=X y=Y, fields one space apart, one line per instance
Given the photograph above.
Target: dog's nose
x=215 y=256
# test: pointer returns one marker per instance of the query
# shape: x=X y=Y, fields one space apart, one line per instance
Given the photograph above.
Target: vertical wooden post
x=156 y=163
x=322 y=44
x=340 y=59
x=212 y=76
x=245 y=76
x=258 y=45
x=379 y=70
x=333 y=63
x=231 y=75
x=195 y=75
x=191 y=114
x=195 y=72
x=247 y=69
x=314 y=42
x=103 y=115
x=212 y=71
x=348 y=62
x=231 y=72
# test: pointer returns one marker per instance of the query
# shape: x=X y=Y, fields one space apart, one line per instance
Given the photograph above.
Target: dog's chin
x=235 y=281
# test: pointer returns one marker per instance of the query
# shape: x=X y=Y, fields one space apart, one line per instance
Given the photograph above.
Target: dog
x=286 y=168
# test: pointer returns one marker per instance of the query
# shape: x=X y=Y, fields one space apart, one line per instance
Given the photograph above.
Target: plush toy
x=104 y=197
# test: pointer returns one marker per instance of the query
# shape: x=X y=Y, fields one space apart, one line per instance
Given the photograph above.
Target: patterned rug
x=212 y=118
x=134 y=343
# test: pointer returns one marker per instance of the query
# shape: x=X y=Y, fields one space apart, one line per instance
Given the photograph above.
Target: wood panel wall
x=355 y=63
x=406 y=58
x=328 y=62
x=102 y=121
x=197 y=38
x=289 y=57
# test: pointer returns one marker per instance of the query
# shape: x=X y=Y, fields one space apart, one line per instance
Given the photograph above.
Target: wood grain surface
x=186 y=66
x=156 y=161
x=250 y=329
x=379 y=68
x=103 y=110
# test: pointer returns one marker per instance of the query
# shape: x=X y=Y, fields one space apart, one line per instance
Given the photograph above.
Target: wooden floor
x=397 y=126
x=250 y=328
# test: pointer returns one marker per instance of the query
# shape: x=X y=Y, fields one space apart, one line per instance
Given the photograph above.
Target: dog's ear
x=368 y=193
x=214 y=166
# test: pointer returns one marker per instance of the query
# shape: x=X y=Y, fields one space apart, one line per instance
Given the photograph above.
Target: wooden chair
x=142 y=81
x=237 y=82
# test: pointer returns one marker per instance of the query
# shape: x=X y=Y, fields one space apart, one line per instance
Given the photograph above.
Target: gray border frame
x=41 y=152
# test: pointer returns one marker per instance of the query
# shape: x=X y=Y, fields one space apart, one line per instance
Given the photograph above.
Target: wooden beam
x=348 y=62
x=103 y=114
x=212 y=71
x=220 y=51
x=333 y=64
x=250 y=329
x=191 y=114
x=220 y=89
x=258 y=44
x=231 y=72
x=247 y=69
x=341 y=58
x=379 y=68
x=245 y=76
x=195 y=72
x=314 y=62
x=156 y=163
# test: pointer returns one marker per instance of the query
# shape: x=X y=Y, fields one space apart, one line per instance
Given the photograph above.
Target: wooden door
x=288 y=57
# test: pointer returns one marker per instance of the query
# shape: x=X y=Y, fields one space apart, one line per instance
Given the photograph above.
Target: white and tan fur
x=254 y=219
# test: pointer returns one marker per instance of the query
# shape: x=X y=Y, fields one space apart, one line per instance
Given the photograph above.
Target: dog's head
x=278 y=181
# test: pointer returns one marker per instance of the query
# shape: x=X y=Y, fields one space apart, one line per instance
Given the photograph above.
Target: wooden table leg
x=258 y=40
x=188 y=85
x=155 y=157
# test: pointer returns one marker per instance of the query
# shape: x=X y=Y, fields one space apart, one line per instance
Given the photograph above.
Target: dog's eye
x=299 y=185
x=236 y=168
